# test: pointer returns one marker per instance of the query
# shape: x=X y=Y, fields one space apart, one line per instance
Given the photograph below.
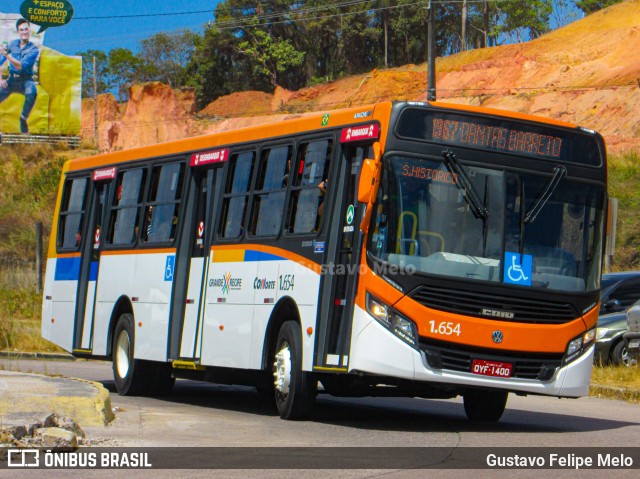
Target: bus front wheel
x=295 y=390
x=485 y=405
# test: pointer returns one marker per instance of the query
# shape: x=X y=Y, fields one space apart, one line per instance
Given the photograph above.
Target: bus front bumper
x=375 y=350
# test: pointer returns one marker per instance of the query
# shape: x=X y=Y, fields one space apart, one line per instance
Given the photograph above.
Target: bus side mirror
x=368 y=186
x=370 y=177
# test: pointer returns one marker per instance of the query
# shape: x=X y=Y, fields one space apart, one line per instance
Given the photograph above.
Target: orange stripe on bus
x=288 y=255
x=138 y=251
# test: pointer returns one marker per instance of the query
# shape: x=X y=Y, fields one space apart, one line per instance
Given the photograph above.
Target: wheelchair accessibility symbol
x=518 y=269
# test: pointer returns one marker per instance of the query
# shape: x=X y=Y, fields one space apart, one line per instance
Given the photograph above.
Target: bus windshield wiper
x=559 y=173
x=468 y=191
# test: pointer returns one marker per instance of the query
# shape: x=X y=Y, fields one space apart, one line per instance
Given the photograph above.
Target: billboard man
x=21 y=55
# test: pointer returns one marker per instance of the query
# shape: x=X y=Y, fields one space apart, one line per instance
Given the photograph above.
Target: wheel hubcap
x=282 y=370
x=122 y=354
x=626 y=359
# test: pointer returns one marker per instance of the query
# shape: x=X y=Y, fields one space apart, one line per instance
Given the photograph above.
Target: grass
x=624 y=184
x=20 y=322
x=616 y=382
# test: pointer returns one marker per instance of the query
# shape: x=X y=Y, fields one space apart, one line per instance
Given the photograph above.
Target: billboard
x=44 y=97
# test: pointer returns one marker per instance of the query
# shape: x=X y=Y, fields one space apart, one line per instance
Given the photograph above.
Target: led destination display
x=499 y=134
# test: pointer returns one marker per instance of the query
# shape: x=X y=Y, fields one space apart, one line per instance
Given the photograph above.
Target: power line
x=246 y=20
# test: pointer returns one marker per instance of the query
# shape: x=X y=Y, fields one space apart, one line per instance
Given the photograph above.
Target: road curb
x=29 y=355
x=624 y=394
x=102 y=401
x=27 y=395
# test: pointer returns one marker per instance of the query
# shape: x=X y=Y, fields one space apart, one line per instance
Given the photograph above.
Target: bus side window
x=163 y=203
x=72 y=213
x=310 y=184
x=234 y=204
x=268 y=200
x=126 y=207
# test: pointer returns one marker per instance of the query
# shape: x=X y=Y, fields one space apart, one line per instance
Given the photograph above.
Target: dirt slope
x=586 y=73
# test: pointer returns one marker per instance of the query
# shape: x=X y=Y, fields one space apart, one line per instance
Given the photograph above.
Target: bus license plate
x=491 y=368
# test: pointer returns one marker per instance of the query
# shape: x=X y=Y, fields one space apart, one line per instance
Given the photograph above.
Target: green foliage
x=124 y=69
x=523 y=19
x=29 y=176
x=258 y=45
x=590 y=6
x=102 y=72
x=20 y=321
x=166 y=56
x=624 y=184
x=271 y=57
x=19 y=303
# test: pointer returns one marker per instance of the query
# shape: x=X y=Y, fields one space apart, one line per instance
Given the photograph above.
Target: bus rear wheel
x=127 y=371
x=485 y=405
x=295 y=390
x=136 y=377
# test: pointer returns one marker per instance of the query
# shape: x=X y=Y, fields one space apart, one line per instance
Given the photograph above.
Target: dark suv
x=632 y=336
x=619 y=291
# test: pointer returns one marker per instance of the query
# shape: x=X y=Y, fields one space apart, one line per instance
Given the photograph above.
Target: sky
x=108 y=31
x=105 y=33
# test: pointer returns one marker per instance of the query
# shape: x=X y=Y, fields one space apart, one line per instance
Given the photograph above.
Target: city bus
x=404 y=249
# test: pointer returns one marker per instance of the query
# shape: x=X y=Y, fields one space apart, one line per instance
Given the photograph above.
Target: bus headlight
x=378 y=310
x=402 y=327
x=579 y=345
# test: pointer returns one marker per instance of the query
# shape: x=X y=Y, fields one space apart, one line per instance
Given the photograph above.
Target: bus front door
x=89 y=265
x=341 y=263
x=196 y=245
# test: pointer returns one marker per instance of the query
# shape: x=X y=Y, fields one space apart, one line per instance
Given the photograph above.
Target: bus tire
x=294 y=389
x=485 y=405
x=129 y=373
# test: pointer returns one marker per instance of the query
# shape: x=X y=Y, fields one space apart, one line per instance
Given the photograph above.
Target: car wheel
x=620 y=355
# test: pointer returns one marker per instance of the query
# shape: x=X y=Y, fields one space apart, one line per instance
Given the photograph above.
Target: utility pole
x=431 y=55
x=95 y=104
x=39 y=257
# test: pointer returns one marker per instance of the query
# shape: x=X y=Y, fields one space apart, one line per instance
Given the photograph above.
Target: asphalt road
x=208 y=415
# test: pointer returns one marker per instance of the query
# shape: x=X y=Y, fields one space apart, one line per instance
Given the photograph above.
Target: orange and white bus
x=398 y=249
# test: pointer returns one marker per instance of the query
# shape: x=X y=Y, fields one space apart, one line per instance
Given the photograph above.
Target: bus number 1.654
x=445 y=328
x=285 y=282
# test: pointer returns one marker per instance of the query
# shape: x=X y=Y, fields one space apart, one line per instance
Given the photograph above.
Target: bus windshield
x=425 y=221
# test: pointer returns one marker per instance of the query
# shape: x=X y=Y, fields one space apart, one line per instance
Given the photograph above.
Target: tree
x=463 y=28
x=590 y=6
x=563 y=14
x=270 y=56
x=102 y=72
x=124 y=70
x=167 y=55
x=520 y=20
x=215 y=68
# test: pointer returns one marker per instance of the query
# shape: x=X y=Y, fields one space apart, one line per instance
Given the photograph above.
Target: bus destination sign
x=496 y=138
x=499 y=134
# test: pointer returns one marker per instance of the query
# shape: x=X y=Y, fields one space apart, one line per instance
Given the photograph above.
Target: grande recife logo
x=47 y=13
x=227 y=283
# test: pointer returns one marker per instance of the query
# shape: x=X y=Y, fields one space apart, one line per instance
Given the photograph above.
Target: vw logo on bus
x=497 y=336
